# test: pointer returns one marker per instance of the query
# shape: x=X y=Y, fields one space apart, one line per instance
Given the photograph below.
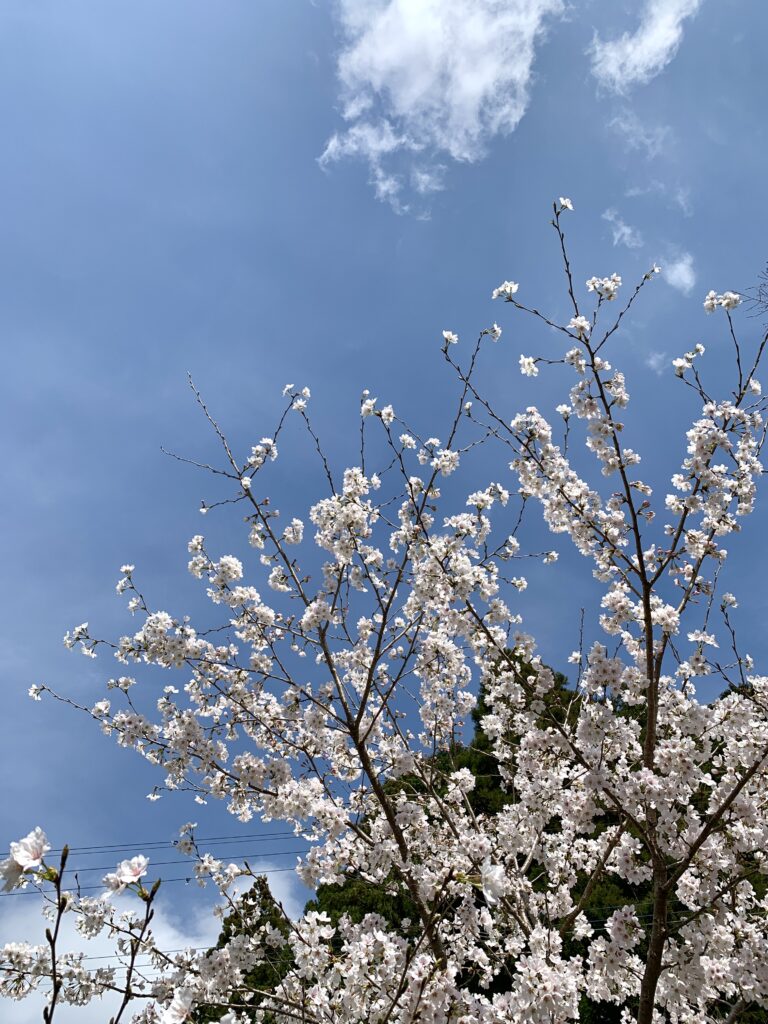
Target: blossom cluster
x=606 y=287
x=727 y=301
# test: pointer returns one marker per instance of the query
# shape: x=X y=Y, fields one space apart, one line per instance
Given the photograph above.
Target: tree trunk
x=653 y=961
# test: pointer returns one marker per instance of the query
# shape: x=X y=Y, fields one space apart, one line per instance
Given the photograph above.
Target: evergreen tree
x=259 y=917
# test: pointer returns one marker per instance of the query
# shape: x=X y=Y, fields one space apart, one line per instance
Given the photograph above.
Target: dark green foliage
x=356 y=898
x=259 y=910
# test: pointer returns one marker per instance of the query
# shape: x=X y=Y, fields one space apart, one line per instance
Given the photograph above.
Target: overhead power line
x=193 y=877
x=160 y=843
x=185 y=860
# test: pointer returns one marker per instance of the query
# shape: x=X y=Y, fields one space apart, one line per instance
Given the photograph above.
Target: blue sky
x=283 y=191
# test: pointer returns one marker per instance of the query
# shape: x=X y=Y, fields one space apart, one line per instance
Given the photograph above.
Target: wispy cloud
x=636 y=57
x=420 y=81
x=428 y=179
x=372 y=142
x=623 y=233
x=679 y=272
x=675 y=195
x=652 y=140
x=657 y=361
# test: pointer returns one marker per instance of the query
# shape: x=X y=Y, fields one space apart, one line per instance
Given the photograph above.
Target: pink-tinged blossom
x=25 y=855
x=130 y=871
x=29 y=851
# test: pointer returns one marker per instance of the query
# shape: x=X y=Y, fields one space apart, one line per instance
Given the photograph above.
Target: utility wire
x=184 y=878
x=155 y=843
x=185 y=860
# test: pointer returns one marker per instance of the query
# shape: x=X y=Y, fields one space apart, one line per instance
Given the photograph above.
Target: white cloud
x=650 y=139
x=288 y=890
x=623 y=233
x=427 y=77
x=21 y=921
x=680 y=273
x=657 y=361
x=635 y=58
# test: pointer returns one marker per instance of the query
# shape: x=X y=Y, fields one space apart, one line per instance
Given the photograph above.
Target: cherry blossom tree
x=327 y=679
